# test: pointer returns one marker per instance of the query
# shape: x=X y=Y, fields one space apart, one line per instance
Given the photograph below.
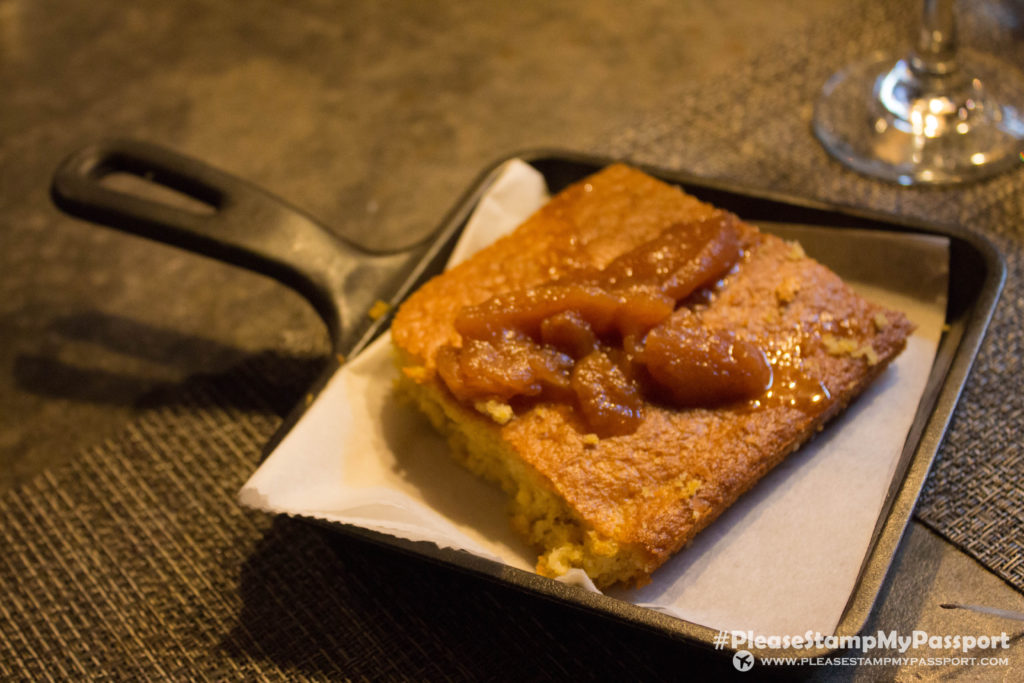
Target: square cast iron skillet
x=250 y=228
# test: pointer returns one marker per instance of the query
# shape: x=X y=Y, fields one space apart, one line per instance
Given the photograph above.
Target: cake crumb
x=379 y=309
x=868 y=353
x=591 y=439
x=600 y=546
x=562 y=559
x=845 y=346
x=496 y=410
x=787 y=290
x=796 y=251
x=881 y=322
x=839 y=346
x=417 y=373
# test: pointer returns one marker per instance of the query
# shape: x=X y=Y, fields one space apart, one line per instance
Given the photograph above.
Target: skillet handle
x=244 y=226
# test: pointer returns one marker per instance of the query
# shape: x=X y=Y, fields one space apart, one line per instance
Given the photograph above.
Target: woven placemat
x=135 y=562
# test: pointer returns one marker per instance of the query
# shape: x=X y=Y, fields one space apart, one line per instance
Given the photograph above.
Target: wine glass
x=936 y=115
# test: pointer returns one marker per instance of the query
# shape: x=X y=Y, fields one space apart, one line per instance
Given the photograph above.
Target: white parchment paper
x=783 y=560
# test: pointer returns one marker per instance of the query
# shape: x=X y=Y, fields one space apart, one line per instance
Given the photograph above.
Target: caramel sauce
x=604 y=339
x=791 y=386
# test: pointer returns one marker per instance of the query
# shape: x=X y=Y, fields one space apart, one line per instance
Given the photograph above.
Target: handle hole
x=148 y=187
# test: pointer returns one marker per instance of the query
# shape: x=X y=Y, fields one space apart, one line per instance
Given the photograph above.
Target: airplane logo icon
x=743 y=660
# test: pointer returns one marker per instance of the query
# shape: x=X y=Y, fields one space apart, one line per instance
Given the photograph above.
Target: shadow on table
x=45 y=376
x=319 y=602
x=130 y=362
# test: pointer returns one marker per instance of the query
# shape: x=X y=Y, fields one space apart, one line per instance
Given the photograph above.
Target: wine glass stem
x=935 y=52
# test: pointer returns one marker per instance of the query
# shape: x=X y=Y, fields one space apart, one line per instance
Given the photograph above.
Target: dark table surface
x=373 y=117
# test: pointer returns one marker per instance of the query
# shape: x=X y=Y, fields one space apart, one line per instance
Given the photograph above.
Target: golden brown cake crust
x=588 y=224
x=656 y=488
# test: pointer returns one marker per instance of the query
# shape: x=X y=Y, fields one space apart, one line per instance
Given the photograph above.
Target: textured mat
x=135 y=561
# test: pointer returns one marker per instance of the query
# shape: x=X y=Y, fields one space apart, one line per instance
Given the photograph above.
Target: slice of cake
x=628 y=362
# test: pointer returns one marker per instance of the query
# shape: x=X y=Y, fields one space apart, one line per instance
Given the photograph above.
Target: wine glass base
x=878 y=118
